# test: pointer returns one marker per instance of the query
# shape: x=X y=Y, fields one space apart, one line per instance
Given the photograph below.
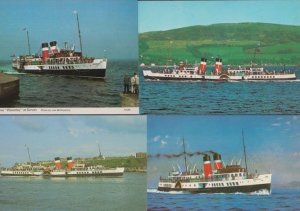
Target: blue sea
x=62 y=91
x=207 y=97
x=89 y=193
x=279 y=199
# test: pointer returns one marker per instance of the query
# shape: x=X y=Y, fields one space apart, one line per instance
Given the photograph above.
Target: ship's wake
x=13 y=73
x=261 y=192
x=273 y=81
x=257 y=193
x=163 y=192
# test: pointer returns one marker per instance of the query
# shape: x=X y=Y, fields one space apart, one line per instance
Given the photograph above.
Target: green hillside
x=234 y=42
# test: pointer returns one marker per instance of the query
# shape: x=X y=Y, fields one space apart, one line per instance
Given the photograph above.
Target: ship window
x=237 y=183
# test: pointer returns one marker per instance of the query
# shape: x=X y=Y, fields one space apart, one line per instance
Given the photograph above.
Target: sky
x=164 y=15
x=104 y=24
x=62 y=136
x=272 y=143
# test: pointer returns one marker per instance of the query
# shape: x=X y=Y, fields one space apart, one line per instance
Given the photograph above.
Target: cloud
x=287 y=122
x=115 y=124
x=296 y=154
x=163 y=143
x=75 y=132
x=156 y=138
x=276 y=124
x=161 y=140
x=29 y=123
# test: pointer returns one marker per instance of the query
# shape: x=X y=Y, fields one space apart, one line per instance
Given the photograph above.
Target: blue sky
x=160 y=15
x=76 y=136
x=272 y=142
x=105 y=25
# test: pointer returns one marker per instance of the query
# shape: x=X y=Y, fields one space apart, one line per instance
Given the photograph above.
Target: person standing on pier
x=126 y=84
x=132 y=80
x=136 y=83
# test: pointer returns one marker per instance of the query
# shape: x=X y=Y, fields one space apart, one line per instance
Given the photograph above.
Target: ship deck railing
x=172 y=180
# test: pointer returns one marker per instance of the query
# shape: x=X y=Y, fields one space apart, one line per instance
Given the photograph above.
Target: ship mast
x=245 y=155
x=28 y=43
x=184 y=152
x=100 y=155
x=28 y=154
x=79 y=35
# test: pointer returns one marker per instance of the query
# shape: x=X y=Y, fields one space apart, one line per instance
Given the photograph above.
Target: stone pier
x=129 y=100
x=9 y=86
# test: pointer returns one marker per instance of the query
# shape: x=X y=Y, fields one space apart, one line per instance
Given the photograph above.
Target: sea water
x=279 y=199
x=70 y=91
x=229 y=97
x=85 y=193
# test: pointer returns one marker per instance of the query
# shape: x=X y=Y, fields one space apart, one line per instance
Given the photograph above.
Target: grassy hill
x=234 y=42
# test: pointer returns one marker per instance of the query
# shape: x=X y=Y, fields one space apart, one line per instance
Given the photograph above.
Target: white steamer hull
x=148 y=74
x=95 y=69
x=262 y=182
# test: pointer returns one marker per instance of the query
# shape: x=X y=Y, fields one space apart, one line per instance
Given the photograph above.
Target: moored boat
x=23 y=170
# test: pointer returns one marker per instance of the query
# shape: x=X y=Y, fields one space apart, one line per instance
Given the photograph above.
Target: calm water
x=61 y=91
x=93 y=193
x=280 y=199
x=171 y=97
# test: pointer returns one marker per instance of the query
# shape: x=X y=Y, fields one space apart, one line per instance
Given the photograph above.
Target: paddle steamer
x=216 y=177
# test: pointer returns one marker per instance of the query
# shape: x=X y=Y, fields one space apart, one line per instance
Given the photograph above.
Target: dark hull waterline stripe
x=235 y=189
x=87 y=175
x=207 y=79
x=97 y=73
